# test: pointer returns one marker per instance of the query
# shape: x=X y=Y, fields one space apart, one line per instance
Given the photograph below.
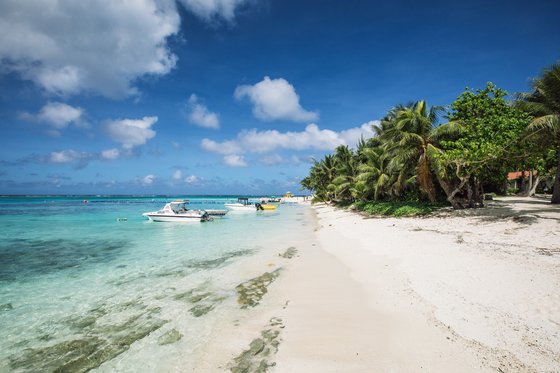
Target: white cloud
x=254 y=141
x=192 y=179
x=275 y=99
x=200 y=115
x=131 y=132
x=177 y=175
x=110 y=154
x=272 y=159
x=148 y=179
x=235 y=160
x=101 y=46
x=210 y=10
x=226 y=147
x=57 y=115
x=64 y=156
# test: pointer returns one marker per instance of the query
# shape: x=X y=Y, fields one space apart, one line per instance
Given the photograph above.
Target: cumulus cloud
x=211 y=10
x=254 y=141
x=101 y=46
x=110 y=154
x=192 y=179
x=65 y=156
x=235 y=160
x=131 y=132
x=57 y=115
x=200 y=115
x=177 y=175
x=275 y=99
x=148 y=179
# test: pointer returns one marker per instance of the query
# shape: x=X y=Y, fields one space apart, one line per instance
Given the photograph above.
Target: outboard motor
x=259 y=206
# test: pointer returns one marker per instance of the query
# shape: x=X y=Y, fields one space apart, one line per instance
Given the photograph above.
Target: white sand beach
x=461 y=291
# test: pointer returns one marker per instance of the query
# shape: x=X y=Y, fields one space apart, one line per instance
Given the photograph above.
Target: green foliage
x=413 y=158
x=398 y=209
x=490 y=130
x=512 y=191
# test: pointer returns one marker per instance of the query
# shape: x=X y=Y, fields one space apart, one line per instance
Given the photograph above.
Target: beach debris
x=252 y=291
x=257 y=358
x=289 y=253
x=171 y=336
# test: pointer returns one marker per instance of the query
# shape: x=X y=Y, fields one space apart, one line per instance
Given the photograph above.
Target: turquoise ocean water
x=79 y=289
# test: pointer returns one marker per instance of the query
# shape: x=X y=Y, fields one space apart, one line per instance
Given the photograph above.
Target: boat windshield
x=179 y=207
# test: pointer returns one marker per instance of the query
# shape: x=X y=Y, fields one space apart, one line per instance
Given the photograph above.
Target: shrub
x=397 y=208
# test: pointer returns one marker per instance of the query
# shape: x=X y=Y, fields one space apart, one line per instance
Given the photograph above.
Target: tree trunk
x=535 y=185
x=527 y=191
x=556 y=187
x=452 y=192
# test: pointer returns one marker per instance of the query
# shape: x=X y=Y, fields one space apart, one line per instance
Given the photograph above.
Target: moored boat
x=267 y=207
x=177 y=211
x=242 y=204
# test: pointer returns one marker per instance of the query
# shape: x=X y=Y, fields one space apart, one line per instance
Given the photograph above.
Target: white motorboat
x=242 y=204
x=177 y=211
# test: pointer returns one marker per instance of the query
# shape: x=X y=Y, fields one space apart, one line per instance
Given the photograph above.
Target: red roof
x=517 y=174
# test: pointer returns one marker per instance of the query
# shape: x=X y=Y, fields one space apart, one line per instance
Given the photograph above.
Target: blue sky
x=234 y=96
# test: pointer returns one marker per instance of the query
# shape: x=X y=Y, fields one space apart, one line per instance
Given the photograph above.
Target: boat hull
x=240 y=207
x=177 y=219
x=217 y=213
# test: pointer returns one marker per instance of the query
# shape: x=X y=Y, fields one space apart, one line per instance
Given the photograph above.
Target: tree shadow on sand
x=523 y=210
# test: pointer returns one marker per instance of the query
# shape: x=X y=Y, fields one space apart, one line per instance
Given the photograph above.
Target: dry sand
x=463 y=291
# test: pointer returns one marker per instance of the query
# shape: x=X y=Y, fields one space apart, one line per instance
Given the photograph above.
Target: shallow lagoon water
x=79 y=289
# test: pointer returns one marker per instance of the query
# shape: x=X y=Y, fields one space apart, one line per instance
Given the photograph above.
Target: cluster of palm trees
x=397 y=163
x=403 y=161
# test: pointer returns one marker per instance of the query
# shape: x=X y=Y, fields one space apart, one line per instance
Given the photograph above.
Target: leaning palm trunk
x=425 y=177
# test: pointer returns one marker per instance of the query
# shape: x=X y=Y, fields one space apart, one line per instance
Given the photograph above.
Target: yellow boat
x=269 y=207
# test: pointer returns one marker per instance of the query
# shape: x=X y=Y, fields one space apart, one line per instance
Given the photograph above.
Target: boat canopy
x=243 y=200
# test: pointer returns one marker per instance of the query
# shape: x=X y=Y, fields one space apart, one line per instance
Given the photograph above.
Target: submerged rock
x=251 y=292
x=289 y=253
x=201 y=309
x=257 y=357
x=97 y=345
x=6 y=307
x=217 y=262
x=169 y=337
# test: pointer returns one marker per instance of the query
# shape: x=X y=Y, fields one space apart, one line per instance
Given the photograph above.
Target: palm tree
x=346 y=163
x=320 y=177
x=544 y=104
x=373 y=179
x=411 y=139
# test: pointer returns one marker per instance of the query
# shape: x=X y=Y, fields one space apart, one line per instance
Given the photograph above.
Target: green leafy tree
x=488 y=131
